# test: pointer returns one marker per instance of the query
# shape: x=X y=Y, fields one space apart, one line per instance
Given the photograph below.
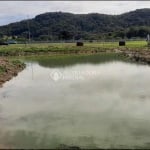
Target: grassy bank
x=9 y=69
x=67 y=48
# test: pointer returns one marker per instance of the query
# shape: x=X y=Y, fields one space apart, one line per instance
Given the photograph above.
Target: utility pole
x=29 y=34
x=148 y=40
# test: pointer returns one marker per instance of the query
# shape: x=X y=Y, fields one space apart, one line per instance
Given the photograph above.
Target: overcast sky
x=11 y=11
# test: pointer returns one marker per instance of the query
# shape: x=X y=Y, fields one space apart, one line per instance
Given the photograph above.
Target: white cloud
x=11 y=11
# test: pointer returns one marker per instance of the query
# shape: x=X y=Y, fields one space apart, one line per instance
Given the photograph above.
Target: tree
x=65 y=35
x=143 y=31
x=132 y=32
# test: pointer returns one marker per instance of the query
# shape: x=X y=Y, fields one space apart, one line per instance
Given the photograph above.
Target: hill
x=65 y=26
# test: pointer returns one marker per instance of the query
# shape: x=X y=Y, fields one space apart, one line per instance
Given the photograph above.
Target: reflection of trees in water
x=1 y=117
x=3 y=95
x=29 y=140
x=22 y=139
x=2 y=145
x=1 y=114
x=0 y=110
x=64 y=61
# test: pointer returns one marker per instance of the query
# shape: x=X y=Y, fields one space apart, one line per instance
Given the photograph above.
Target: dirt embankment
x=9 y=69
x=138 y=55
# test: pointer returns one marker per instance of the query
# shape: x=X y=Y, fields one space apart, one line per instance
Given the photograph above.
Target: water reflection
x=66 y=61
x=107 y=110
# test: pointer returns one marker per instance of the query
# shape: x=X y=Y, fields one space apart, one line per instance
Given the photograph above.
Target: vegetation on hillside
x=67 y=26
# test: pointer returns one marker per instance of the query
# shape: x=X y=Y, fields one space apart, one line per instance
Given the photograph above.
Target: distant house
x=148 y=39
x=11 y=42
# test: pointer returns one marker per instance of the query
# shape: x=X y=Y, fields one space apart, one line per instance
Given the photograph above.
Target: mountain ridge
x=65 y=26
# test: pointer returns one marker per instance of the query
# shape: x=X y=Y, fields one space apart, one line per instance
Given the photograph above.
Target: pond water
x=97 y=101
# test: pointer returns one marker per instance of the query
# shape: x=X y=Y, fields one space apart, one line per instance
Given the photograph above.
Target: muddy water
x=96 y=101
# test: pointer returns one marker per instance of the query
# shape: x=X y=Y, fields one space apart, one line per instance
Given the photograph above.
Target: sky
x=12 y=11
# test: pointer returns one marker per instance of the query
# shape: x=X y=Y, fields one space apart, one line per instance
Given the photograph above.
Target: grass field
x=21 y=49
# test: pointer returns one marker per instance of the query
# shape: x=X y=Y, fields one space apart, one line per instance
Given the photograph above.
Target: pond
x=95 y=101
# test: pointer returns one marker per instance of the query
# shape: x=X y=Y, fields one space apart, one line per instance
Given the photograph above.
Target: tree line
x=67 y=26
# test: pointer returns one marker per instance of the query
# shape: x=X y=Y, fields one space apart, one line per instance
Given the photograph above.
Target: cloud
x=11 y=11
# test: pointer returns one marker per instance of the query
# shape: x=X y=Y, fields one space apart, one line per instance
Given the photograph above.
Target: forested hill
x=64 y=26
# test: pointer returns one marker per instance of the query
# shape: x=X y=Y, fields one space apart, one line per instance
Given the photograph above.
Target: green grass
x=21 y=49
x=2 y=69
x=12 y=63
